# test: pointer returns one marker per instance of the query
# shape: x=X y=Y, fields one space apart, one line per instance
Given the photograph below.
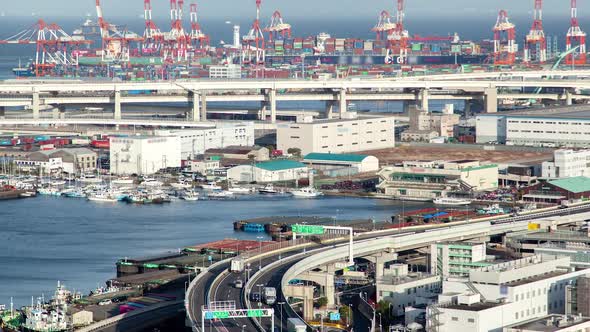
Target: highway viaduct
x=335 y=93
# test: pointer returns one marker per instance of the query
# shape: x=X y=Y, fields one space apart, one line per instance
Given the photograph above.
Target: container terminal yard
x=101 y=48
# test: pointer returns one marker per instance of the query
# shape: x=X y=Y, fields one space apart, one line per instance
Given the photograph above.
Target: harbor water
x=46 y=239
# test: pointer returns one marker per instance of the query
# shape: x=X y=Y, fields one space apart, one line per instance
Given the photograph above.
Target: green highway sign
x=255 y=313
x=308 y=229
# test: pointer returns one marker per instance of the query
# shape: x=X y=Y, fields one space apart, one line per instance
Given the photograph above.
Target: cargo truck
x=270 y=295
x=237 y=265
x=296 y=325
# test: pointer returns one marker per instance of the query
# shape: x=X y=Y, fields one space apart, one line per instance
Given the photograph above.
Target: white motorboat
x=181 y=185
x=307 y=192
x=190 y=196
x=122 y=181
x=89 y=178
x=149 y=182
x=451 y=201
x=211 y=186
x=240 y=190
x=220 y=194
x=269 y=189
x=50 y=191
x=102 y=197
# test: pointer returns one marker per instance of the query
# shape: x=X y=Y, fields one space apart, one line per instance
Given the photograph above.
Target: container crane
x=253 y=43
x=384 y=26
x=278 y=28
x=55 y=49
x=504 y=49
x=535 y=42
x=200 y=41
x=153 y=37
x=399 y=38
x=575 y=35
x=177 y=40
x=115 y=43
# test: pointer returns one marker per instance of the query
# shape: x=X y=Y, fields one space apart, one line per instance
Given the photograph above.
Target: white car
x=105 y=302
x=239 y=283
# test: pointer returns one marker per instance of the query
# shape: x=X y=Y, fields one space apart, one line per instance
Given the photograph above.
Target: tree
x=345 y=313
x=294 y=151
x=322 y=302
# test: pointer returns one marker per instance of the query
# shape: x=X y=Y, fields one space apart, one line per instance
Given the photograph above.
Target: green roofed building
x=329 y=161
x=555 y=191
x=269 y=171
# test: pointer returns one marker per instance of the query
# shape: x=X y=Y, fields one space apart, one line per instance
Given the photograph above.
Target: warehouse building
x=567 y=163
x=564 y=126
x=426 y=180
x=144 y=155
x=270 y=171
x=555 y=191
x=504 y=294
x=195 y=142
x=337 y=135
x=71 y=160
x=257 y=153
x=333 y=164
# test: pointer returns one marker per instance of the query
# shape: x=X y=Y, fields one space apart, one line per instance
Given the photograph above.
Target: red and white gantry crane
x=384 y=26
x=115 y=43
x=504 y=40
x=399 y=38
x=153 y=37
x=535 y=48
x=278 y=28
x=199 y=40
x=253 y=43
x=575 y=35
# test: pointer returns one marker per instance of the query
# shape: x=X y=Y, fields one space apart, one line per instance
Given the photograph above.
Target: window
x=454 y=319
x=295 y=137
x=516 y=315
x=470 y=320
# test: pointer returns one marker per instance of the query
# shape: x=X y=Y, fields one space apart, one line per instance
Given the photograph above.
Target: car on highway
x=105 y=302
x=255 y=297
x=239 y=283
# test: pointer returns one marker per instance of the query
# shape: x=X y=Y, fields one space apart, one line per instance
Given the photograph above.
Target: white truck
x=296 y=325
x=270 y=295
x=237 y=265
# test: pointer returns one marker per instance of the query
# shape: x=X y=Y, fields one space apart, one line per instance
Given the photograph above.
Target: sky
x=330 y=9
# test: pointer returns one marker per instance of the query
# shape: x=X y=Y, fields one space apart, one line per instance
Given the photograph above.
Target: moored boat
x=451 y=201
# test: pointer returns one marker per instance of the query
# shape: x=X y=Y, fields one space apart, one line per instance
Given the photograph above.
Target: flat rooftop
x=550 y=323
x=476 y=306
x=568 y=112
x=536 y=278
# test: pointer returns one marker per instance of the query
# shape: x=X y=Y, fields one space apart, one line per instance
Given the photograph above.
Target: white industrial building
x=144 y=155
x=196 y=141
x=567 y=163
x=269 y=171
x=548 y=127
x=457 y=259
x=225 y=71
x=337 y=135
x=329 y=161
x=553 y=323
x=404 y=289
x=504 y=294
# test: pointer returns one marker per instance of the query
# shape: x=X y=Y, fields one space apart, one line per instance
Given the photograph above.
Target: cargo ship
x=370 y=60
x=26 y=71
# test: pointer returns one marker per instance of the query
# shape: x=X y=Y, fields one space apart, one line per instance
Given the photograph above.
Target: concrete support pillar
x=35 y=104
x=329 y=109
x=491 y=100
x=203 y=106
x=380 y=259
x=117 y=106
x=194 y=114
x=55 y=113
x=568 y=98
x=467 y=109
x=272 y=100
x=343 y=103
x=424 y=98
x=305 y=293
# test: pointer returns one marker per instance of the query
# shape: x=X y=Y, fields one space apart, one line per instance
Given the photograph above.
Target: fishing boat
x=190 y=195
x=307 y=192
x=49 y=191
x=181 y=185
x=269 y=189
x=73 y=193
x=220 y=194
x=240 y=190
x=451 y=201
x=491 y=209
x=102 y=197
x=150 y=182
x=211 y=186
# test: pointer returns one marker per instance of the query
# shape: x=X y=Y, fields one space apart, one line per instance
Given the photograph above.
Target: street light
x=380 y=322
x=281 y=306
x=260 y=252
x=243 y=328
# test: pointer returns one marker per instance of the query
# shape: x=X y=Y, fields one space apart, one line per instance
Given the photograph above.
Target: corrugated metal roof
x=577 y=184
x=279 y=165
x=357 y=158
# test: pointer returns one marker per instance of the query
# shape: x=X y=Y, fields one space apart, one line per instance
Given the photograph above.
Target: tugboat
x=269 y=189
x=307 y=192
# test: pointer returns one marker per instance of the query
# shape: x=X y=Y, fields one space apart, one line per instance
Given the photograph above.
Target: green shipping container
x=456 y=48
x=416 y=47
